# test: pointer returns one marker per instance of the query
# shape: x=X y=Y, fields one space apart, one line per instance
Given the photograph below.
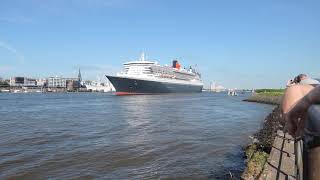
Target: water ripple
x=92 y=135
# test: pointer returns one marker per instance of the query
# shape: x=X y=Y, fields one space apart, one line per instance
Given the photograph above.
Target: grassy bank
x=258 y=152
x=269 y=90
x=266 y=96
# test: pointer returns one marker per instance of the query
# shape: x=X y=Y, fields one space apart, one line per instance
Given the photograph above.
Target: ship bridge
x=140 y=67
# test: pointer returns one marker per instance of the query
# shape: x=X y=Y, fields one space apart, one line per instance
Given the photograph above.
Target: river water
x=102 y=136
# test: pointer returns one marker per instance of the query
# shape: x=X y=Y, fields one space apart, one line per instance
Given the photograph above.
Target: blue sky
x=240 y=43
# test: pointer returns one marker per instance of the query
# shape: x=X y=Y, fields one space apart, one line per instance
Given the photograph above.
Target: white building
x=216 y=88
x=212 y=86
x=54 y=82
x=41 y=82
x=59 y=82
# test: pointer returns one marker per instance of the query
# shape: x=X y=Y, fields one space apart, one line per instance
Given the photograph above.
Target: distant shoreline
x=60 y=90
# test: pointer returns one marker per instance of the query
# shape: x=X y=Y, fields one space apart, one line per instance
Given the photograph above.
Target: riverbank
x=258 y=151
x=265 y=98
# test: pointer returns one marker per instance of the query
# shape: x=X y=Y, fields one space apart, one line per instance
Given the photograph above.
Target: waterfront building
x=60 y=82
x=97 y=86
x=72 y=84
x=16 y=81
x=42 y=82
x=3 y=83
x=216 y=88
x=7 y=81
x=212 y=86
x=220 y=88
x=89 y=82
x=56 y=82
x=22 y=82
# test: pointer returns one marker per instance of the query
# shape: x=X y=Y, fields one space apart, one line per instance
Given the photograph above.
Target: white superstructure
x=152 y=71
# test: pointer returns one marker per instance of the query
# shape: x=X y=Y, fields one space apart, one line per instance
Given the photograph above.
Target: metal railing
x=307 y=148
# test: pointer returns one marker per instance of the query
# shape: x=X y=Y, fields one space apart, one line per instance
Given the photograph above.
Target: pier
x=281 y=162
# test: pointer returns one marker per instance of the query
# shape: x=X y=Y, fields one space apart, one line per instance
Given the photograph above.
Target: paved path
x=281 y=162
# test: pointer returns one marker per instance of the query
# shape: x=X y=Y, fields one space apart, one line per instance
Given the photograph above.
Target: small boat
x=232 y=92
x=16 y=91
x=5 y=90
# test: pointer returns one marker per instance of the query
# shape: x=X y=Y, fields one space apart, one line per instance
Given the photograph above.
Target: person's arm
x=314 y=96
x=297 y=114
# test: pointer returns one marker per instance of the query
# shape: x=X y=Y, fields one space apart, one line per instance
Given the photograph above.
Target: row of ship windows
x=180 y=76
x=147 y=70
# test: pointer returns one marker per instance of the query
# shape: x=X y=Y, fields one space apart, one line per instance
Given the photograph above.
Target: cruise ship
x=148 y=77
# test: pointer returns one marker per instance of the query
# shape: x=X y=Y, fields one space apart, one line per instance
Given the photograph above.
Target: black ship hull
x=127 y=86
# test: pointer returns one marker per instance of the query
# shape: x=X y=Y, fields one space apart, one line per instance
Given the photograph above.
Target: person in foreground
x=297 y=99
